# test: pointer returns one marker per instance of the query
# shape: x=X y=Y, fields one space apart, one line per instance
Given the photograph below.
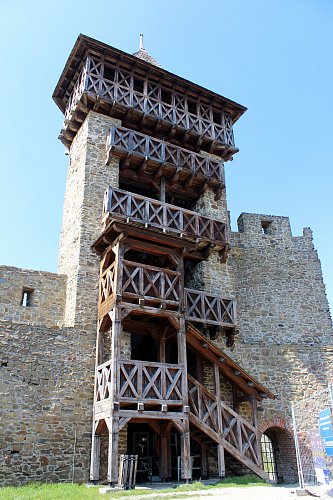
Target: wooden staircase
x=222 y=425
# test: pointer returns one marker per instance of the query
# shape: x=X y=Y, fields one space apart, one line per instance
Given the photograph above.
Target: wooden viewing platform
x=107 y=80
x=170 y=219
x=146 y=157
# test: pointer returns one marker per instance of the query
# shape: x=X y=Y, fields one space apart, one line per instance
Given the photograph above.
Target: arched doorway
x=278 y=452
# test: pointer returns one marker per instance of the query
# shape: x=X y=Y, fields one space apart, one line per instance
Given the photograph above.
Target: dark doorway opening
x=268 y=458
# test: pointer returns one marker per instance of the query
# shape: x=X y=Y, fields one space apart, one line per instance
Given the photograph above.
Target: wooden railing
x=122 y=142
x=150 y=97
x=209 y=308
x=156 y=285
x=151 y=283
x=143 y=380
x=140 y=281
x=163 y=216
x=103 y=382
x=140 y=381
x=229 y=428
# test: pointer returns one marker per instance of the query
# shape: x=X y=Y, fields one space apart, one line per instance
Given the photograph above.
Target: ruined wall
x=47 y=293
x=46 y=386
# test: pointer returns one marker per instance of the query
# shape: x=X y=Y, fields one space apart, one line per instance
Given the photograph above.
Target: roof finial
x=141 y=42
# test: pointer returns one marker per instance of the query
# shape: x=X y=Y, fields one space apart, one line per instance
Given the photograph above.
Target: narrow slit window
x=26 y=297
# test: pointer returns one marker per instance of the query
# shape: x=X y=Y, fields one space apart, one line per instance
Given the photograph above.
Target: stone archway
x=280 y=433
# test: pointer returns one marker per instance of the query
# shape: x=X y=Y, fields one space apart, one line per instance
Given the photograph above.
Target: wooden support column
x=256 y=426
x=113 y=426
x=162 y=348
x=115 y=353
x=113 y=420
x=95 y=457
x=162 y=189
x=182 y=360
x=220 y=460
x=185 y=451
x=164 y=473
x=220 y=448
x=203 y=457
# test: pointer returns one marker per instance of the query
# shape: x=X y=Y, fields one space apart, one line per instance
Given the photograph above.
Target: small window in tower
x=266 y=226
x=138 y=85
x=217 y=117
x=192 y=107
x=166 y=96
x=27 y=295
x=109 y=73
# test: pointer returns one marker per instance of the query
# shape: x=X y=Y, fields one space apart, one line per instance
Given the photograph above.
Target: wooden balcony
x=169 y=219
x=149 y=157
x=144 y=285
x=141 y=101
x=142 y=382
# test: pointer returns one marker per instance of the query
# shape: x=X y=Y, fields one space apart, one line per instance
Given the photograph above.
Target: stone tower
x=201 y=337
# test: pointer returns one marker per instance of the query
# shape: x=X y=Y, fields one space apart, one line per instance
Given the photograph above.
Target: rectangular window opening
x=265 y=226
x=109 y=73
x=27 y=295
x=138 y=85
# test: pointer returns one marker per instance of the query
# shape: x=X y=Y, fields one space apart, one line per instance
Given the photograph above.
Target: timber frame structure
x=171 y=147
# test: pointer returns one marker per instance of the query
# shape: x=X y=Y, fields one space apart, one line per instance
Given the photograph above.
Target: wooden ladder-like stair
x=224 y=426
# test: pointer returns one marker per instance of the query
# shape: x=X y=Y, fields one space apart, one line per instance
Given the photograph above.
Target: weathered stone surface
x=47 y=296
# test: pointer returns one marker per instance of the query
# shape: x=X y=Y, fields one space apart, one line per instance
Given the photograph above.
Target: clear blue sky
x=273 y=56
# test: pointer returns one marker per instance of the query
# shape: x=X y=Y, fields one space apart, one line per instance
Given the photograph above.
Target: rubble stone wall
x=47 y=294
x=46 y=387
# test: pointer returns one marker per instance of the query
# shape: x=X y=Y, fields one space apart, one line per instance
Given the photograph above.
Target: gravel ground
x=287 y=492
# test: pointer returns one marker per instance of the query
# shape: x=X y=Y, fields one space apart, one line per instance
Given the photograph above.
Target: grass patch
x=68 y=491
x=56 y=491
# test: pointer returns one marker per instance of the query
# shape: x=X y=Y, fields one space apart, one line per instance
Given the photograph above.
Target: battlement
x=34 y=297
x=270 y=228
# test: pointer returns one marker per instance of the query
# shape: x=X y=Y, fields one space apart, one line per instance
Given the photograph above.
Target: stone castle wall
x=47 y=293
x=46 y=387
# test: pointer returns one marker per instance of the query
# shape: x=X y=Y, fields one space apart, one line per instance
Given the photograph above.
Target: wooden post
x=203 y=457
x=220 y=448
x=162 y=348
x=164 y=456
x=256 y=426
x=186 y=451
x=113 y=420
x=181 y=342
x=95 y=457
x=220 y=459
x=115 y=353
x=162 y=189
x=113 y=426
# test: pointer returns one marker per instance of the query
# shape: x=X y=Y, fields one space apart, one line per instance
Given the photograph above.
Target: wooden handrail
x=200 y=121
x=122 y=141
x=164 y=216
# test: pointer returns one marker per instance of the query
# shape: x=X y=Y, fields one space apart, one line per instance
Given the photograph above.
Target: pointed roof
x=143 y=54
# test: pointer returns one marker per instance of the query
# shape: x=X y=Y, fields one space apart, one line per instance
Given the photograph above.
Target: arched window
x=268 y=457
